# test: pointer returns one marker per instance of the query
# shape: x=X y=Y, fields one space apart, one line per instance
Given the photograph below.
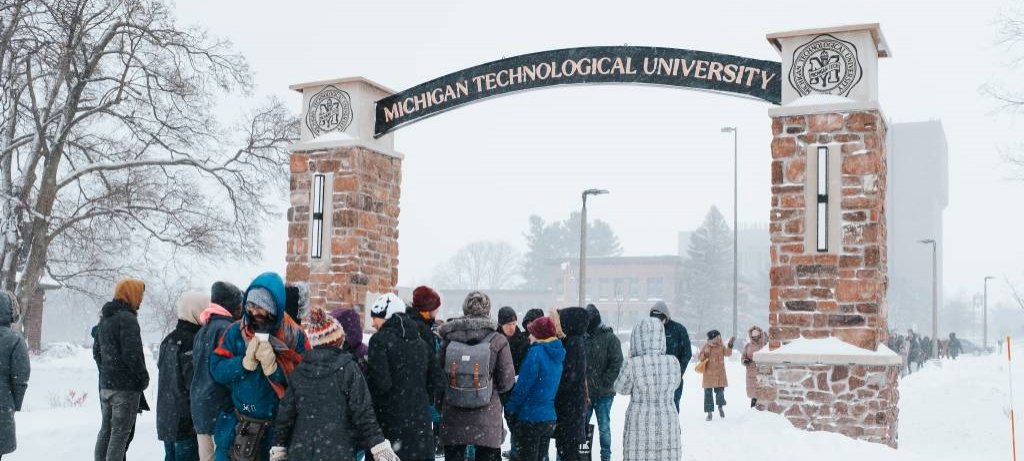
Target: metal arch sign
x=701 y=70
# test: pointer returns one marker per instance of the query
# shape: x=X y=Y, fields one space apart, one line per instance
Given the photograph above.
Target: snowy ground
x=951 y=411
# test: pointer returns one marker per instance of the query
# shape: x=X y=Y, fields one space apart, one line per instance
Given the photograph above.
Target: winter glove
x=278 y=454
x=747 y=361
x=266 y=357
x=383 y=452
x=249 y=361
x=732 y=341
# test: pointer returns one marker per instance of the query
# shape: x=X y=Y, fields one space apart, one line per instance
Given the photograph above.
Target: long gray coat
x=650 y=377
x=14 y=371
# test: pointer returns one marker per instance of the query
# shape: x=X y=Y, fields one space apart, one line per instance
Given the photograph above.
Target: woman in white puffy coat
x=650 y=377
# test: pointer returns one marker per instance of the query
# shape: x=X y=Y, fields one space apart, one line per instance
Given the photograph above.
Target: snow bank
x=829 y=351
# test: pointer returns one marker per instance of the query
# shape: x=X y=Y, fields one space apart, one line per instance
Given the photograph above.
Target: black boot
x=721 y=411
x=753 y=403
x=709 y=416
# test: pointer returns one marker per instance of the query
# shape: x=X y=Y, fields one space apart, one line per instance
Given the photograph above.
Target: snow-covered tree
x=112 y=155
x=707 y=274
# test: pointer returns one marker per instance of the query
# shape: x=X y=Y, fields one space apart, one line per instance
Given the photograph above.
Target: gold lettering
x=618 y=67
x=600 y=65
x=751 y=72
x=715 y=72
x=702 y=66
x=489 y=81
x=462 y=88
x=586 y=66
x=687 y=69
x=449 y=93
x=529 y=71
x=730 y=73
x=515 y=76
x=765 y=80
x=543 y=71
x=498 y=78
x=435 y=99
x=629 y=67
x=406 y=105
x=390 y=113
x=479 y=80
x=569 y=67
x=664 y=66
x=421 y=101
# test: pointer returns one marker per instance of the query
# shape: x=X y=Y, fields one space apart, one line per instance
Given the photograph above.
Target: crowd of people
x=260 y=375
x=915 y=349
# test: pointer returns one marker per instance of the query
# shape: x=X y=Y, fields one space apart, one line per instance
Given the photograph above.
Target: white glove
x=278 y=454
x=265 y=355
x=249 y=362
x=383 y=452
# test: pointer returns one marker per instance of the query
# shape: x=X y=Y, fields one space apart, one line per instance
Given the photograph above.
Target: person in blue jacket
x=532 y=404
x=254 y=358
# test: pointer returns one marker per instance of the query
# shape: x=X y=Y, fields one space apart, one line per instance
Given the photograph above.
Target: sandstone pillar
x=827 y=367
x=345 y=189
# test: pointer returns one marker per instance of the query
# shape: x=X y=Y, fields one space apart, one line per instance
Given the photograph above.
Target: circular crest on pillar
x=330 y=109
x=825 y=65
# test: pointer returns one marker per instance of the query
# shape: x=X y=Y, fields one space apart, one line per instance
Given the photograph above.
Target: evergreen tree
x=561 y=240
x=707 y=274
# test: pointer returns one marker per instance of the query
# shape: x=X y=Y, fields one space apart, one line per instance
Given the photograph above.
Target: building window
x=620 y=288
x=654 y=288
x=634 y=289
x=316 y=247
x=822 y=202
x=605 y=289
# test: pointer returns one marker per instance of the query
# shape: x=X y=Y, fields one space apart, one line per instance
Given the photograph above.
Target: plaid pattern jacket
x=650 y=377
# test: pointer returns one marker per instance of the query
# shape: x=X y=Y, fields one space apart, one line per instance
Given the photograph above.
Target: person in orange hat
x=122 y=368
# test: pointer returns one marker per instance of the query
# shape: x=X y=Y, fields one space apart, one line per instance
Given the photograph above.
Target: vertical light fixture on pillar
x=316 y=244
x=735 y=226
x=583 y=244
x=935 y=296
x=984 y=317
x=822 y=202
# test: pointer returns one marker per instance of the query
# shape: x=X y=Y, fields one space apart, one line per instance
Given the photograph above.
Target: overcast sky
x=479 y=171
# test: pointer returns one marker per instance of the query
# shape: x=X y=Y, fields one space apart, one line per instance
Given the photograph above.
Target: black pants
x=709 y=402
x=458 y=453
x=532 y=440
x=568 y=450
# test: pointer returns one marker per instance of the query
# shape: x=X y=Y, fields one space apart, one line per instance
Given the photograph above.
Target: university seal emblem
x=330 y=109
x=825 y=65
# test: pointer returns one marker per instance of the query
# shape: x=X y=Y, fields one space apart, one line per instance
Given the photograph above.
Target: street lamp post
x=935 y=296
x=735 y=225
x=984 y=316
x=583 y=244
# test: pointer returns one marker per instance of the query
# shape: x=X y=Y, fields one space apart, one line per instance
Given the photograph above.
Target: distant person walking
x=208 y=397
x=174 y=425
x=604 y=361
x=677 y=343
x=14 y=371
x=715 y=380
x=122 y=368
x=756 y=342
x=650 y=378
x=955 y=347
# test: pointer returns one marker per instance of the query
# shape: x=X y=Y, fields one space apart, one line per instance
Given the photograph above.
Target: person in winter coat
x=531 y=315
x=715 y=380
x=518 y=340
x=122 y=368
x=209 y=398
x=400 y=380
x=14 y=371
x=756 y=342
x=254 y=359
x=677 y=341
x=482 y=427
x=426 y=304
x=174 y=382
x=297 y=300
x=604 y=361
x=326 y=410
x=531 y=407
x=353 y=325
x=572 y=401
x=650 y=377
x=955 y=348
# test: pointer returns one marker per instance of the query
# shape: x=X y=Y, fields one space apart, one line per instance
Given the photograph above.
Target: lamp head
x=932 y=241
x=988 y=277
x=594 y=192
x=728 y=129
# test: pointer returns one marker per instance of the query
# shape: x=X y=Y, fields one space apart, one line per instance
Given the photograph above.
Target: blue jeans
x=603 y=407
x=182 y=450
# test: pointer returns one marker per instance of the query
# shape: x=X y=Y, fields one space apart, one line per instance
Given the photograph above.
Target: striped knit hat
x=321 y=328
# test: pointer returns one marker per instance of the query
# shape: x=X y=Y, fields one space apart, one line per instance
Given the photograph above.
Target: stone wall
x=361 y=245
x=858 y=401
x=840 y=293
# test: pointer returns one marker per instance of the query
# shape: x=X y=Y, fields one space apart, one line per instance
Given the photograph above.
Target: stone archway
x=827 y=367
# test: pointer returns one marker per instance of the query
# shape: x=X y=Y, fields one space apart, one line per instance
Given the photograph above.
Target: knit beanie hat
x=191 y=306
x=477 y=304
x=227 y=296
x=531 y=315
x=261 y=297
x=425 y=299
x=351 y=323
x=386 y=306
x=542 y=328
x=130 y=291
x=323 y=329
x=713 y=334
x=506 y=315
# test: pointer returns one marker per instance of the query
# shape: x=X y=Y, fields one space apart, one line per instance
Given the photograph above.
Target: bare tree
x=1011 y=99
x=111 y=156
x=1015 y=294
x=480 y=265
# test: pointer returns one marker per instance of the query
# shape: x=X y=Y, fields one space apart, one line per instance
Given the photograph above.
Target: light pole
x=984 y=317
x=735 y=225
x=583 y=244
x=935 y=296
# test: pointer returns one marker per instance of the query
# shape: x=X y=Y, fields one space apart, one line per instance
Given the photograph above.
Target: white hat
x=387 y=305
